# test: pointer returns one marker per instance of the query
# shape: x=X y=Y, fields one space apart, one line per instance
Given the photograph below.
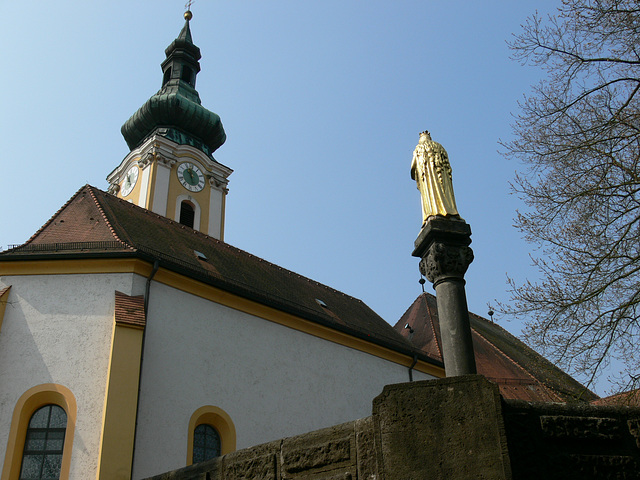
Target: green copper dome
x=176 y=111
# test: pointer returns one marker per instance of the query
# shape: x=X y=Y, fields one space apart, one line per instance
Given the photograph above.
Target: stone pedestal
x=443 y=246
x=441 y=429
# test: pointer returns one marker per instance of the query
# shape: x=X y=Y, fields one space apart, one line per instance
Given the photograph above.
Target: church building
x=134 y=340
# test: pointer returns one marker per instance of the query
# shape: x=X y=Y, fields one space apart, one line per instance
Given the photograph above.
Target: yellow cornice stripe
x=200 y=289
x=76 y=266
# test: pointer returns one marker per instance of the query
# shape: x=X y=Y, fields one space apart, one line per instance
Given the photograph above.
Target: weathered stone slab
x=367 y=461
x=209 y=470
x=601 y=467
x=634 y=429
x=328 y=449
x=258 y=462
x=571 y=441
x=441 y=429
x=576 y=427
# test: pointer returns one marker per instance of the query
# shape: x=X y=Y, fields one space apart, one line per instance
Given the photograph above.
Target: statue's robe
x=431 y=169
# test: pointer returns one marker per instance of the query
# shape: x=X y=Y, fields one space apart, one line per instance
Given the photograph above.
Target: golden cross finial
x=187 y=14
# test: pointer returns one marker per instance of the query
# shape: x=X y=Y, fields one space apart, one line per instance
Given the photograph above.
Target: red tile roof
x=623 y=399
x=130 y=310
x=520 y=372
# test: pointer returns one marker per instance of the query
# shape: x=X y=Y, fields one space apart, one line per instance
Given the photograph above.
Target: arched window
x=187 y=75
x=42 y=456
x=187 y=213
x=206 y=443
x=167 y=76
x=211 y=434
x=42 y=430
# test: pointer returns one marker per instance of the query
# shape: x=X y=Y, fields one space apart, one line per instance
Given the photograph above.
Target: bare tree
x=578 y=136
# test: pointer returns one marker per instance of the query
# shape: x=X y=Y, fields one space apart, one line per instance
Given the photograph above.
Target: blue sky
x=322 y=103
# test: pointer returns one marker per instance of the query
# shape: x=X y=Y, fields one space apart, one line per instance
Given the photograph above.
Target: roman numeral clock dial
x=191 y=177
x=130 y=179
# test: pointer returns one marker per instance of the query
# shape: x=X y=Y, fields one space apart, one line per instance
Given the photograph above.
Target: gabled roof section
x=80 y=224
x=519 y=371
x=97 y=224
x=630 y=398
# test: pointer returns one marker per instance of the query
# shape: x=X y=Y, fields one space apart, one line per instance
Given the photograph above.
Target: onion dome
x=175 y=112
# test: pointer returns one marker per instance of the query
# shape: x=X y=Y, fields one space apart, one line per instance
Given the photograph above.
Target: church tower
x=170 y=169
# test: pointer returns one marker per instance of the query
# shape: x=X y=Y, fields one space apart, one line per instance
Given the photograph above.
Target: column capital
x=443 y=247
x=443 y=261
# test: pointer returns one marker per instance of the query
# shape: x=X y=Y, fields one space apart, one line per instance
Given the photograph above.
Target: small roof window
x=321 y=303
x=200 y=255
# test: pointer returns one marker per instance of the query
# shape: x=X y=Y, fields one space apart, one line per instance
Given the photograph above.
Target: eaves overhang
x=244 y=291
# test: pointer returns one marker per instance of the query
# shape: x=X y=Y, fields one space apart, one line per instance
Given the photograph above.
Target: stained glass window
x=42 y=456
x=206 y=443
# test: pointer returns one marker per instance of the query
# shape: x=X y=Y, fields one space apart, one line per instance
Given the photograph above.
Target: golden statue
x=431 y=170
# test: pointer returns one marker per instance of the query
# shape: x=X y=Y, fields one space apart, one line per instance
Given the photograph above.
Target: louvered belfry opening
x=187 y=213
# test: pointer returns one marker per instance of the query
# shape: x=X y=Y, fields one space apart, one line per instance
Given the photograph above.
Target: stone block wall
x=342 y=452
x=572 y=441
x=454 y=429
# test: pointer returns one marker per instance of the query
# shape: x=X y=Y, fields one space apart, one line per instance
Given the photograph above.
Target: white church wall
x=273 y=381
x=57 y=329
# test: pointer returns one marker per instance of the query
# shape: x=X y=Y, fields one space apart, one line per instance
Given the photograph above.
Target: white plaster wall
x=272 y=380
x=215 y=212
x=161 y=191
x=57 y=329
x=144 y=186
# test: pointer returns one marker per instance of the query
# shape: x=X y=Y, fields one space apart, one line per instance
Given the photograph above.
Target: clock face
x=130 y=179
x=191 y=177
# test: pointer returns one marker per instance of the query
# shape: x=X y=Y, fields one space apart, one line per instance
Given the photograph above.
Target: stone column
x=443 y=246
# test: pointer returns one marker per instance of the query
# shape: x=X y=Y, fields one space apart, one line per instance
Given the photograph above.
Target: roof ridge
x=104 y=216
x=411 y=306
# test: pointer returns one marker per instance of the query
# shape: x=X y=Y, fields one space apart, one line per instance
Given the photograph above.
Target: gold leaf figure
x=431 y=170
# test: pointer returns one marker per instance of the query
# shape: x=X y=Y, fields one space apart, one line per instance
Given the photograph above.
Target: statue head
x=424 y=137
x=430 y=147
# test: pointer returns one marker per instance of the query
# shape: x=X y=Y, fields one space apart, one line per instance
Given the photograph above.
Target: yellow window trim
x=4 y=298
x=28 y=403
x=121 y=400
x=218 y=419
x=200 y=289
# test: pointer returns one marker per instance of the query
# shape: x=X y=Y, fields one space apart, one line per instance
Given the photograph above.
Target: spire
x=176 y=111
x=185 y=33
